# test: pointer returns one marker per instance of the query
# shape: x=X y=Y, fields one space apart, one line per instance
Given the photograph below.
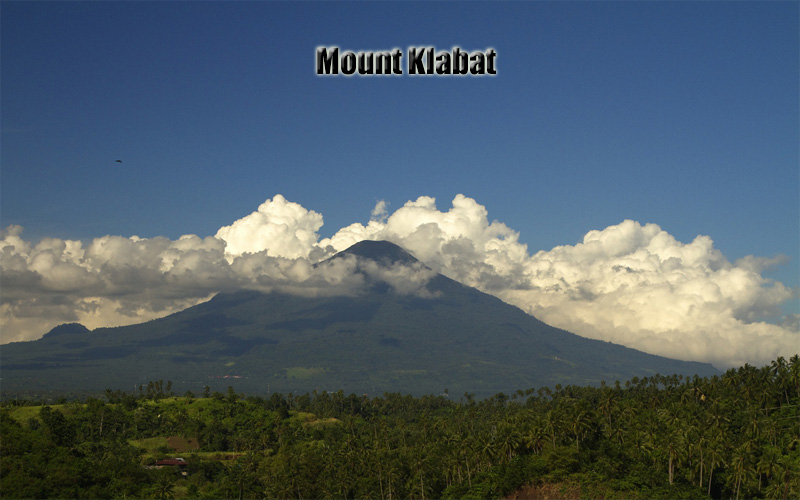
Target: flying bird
x=119 y=161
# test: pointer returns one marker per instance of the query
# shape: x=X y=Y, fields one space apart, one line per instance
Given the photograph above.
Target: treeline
x=731 y=436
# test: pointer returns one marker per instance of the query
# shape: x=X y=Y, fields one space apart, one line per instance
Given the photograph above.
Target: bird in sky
x=119 y=161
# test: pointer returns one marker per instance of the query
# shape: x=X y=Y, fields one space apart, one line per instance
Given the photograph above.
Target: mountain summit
x=435 y=335
x=382 y=252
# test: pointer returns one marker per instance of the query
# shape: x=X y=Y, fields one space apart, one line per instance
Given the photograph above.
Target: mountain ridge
x=439 y=335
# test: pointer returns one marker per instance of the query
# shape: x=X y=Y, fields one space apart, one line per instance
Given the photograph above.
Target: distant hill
x=67 y=329
x=451 y=337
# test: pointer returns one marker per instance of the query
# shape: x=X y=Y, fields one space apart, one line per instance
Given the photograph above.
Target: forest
x=732 y=436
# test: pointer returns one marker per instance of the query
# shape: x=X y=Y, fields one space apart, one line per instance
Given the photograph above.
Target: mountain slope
x=424 y=339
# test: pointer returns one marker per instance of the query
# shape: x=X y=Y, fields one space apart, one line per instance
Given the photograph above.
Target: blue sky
x=682 y=114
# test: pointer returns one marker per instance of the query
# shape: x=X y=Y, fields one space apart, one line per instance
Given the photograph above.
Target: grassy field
x=150 y=445
x=24 y=413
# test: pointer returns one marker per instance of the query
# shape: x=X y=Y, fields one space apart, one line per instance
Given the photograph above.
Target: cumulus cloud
x=636 y=285
x=111 y=281
x=114 y=280
x=631 y=283
x=279 y=227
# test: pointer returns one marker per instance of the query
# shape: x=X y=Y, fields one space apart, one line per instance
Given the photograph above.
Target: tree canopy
x=731 y=436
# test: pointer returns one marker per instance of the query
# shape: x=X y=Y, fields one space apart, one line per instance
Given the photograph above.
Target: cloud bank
x=631 y=284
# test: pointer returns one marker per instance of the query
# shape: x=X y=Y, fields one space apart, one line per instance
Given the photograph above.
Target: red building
x=172 y=462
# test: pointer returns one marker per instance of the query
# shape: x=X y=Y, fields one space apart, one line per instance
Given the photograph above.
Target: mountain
x=383 y=337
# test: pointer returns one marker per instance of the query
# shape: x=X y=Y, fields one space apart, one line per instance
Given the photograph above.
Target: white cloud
x=630 y=283
x=404 y=279
x=115 y=281
x=279 y=227
x=112 y=281
x=697 y=307
x=380 y=212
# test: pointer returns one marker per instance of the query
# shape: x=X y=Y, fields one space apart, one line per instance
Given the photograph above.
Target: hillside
x=727 y=436
x=443 y=336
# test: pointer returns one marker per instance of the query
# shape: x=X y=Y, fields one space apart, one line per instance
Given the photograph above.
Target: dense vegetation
x=730 y=436
x=377 y=342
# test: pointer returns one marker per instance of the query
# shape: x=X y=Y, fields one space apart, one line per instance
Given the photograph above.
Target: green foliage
x=65 y=461
x=735 y=435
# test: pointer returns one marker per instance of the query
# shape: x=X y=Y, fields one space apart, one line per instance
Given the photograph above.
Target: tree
x=535 y=439
x=164 y=486
x=61 y=432
x=508 y=440
x=580 y=426
x=742 y=468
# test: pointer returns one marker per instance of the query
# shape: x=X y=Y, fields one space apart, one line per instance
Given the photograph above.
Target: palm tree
x=741 y=468
x=787 y=479
x=466 y=451
x=671 y=420
x=715 y=416
x=535 y=439
x=508 y=440
x=716 y=457
x=417 y=483
x=780 y=370
x=767 y=463
x=794 y=374
x=489 y=448
x=165 y=484
x=699 y=445
x=243 y=473
x=607 y=405
x=580 y=426
x=551 y=426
